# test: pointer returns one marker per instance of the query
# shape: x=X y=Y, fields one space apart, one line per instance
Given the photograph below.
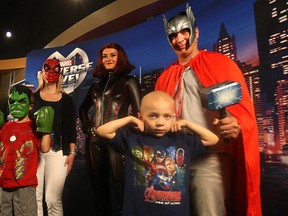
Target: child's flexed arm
x=206 y=136
x=109 y=129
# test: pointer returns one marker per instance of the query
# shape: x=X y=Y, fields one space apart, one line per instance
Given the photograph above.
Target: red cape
x=212 y=68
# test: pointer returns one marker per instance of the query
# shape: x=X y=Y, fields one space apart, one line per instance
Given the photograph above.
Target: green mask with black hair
x=19 y=105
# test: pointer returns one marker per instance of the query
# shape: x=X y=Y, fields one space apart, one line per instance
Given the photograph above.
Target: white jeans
x=51 y=176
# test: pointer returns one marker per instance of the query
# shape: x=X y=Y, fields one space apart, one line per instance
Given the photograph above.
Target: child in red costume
x=20 y=141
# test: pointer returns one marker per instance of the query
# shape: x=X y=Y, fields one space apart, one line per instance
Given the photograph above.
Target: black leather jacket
x=113 y=97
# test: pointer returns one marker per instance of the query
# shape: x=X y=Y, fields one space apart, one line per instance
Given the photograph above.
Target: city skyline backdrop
x=147 y=47
x=237 y=15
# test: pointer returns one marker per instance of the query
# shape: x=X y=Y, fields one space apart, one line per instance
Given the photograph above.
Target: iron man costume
x=19 y=155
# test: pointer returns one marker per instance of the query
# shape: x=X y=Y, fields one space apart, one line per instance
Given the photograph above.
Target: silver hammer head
x=221 y=95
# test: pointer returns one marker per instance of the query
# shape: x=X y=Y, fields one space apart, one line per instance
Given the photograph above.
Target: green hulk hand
x=2 y=121
x=44 y=119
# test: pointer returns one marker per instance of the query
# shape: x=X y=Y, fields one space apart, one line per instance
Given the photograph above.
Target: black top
x=64 y=127
x=113 y=97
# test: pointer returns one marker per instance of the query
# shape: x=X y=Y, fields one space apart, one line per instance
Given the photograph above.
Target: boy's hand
x=44 y=119
x=178 y=125
x=139 y=125
x=2 y=121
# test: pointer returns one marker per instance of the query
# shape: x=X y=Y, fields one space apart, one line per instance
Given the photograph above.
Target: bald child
x=147 y=142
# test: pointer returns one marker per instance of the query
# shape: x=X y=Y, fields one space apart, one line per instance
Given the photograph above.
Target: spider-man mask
x=51 y=69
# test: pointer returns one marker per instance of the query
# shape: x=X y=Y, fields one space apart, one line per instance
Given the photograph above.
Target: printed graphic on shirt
x=162 y=172
x=14 y=161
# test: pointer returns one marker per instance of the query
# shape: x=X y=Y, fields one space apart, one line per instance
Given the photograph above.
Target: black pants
x=105 y=168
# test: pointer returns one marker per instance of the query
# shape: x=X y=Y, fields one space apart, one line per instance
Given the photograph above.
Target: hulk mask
x=19 y=104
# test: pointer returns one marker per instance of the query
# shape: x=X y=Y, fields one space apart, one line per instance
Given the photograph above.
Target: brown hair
x=123 y=65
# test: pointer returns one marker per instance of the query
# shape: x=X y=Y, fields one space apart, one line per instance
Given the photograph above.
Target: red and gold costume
x=19 y=144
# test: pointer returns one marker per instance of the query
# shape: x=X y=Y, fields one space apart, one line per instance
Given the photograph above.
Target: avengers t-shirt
x=156 y=171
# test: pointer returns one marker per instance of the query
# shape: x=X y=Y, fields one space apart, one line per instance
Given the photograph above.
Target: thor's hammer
x=220 y=96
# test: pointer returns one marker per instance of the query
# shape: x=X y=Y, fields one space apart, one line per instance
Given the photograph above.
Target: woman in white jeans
x=56 y=164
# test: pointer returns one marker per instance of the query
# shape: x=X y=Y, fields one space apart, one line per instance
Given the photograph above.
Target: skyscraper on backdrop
x=271 y=21
x=226 y=44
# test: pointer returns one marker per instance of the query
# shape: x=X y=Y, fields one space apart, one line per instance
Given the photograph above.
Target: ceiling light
x=8 y=34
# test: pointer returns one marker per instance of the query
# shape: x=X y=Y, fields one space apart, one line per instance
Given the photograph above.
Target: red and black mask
x=51 y=69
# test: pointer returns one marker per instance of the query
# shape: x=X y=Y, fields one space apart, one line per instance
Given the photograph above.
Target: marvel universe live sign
x=76 y=58
x=74 y=61
x=74 y=68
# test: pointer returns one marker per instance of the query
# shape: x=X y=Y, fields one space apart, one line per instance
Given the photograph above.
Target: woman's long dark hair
x=123 y=65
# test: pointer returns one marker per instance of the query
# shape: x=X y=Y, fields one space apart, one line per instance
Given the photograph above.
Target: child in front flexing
x=20 y=141
x=157 y=156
